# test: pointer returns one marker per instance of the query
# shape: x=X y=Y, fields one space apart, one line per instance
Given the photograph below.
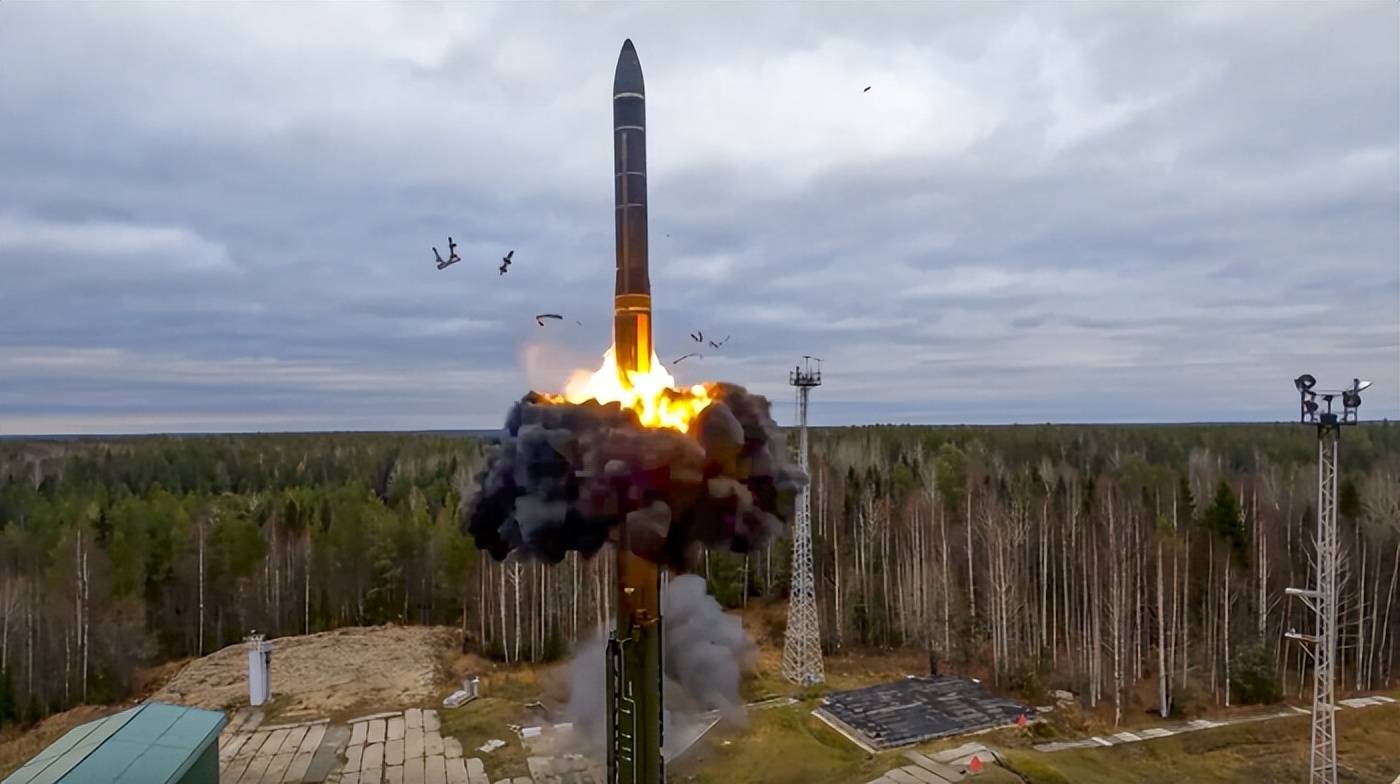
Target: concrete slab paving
x=900 y=777
x=476 y=771
x=234 y=770
x=451 y=748
x=273 y=744
x=457 y=771
x=326 y=760
x=376 y=731
x=256 y=768
x=374 y=756
x=435 y=770
x=312 y=740
x=372 y=716
x=229 y=746
x=393 y=774
x=928 y=776
x=939 y=769
x=431 y=721
x=371 y=776
x=250 y=747
x=394 y=728
x=301 y=762
x=413 y=743
x=353 y=754
x=393 y=752
x=358 y=732
x=413 y=718
x=413 y=770
x=292 y=742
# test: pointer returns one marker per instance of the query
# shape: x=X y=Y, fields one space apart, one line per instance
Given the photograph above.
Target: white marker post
x=259 y=669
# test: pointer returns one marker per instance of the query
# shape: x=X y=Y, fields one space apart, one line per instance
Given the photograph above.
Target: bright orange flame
x=651 y=394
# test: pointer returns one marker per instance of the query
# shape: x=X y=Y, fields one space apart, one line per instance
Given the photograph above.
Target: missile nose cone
x=628 y=77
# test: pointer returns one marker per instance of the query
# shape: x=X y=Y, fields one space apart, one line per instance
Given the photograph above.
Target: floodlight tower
x=1322 y=597
x=802 y=645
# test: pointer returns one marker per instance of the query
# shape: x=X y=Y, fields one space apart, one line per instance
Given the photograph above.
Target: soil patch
x=388 y=667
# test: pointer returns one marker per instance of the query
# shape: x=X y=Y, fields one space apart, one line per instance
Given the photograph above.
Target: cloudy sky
x=218 y=217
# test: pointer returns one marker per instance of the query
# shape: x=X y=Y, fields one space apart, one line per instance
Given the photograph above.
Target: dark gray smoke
x=706 y=653
x=567 y=477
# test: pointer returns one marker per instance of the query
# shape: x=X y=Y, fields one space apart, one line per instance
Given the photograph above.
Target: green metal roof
x=152 y=743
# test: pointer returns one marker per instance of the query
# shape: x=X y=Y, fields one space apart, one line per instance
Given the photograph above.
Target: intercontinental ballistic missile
x=634 y=647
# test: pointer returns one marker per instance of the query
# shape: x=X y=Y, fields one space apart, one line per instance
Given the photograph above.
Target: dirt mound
x=326 y=673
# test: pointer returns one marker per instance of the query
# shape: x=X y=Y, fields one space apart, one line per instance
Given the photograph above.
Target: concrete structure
x=152 y=743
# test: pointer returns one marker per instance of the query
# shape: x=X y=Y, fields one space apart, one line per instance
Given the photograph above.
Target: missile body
x=634 y=648
x=632 y=293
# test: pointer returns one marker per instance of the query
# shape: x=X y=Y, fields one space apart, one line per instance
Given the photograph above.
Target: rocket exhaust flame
x=650 y=394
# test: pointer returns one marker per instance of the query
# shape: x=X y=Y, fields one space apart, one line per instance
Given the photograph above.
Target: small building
x=153 y=743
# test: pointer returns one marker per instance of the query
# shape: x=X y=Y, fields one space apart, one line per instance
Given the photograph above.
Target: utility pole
x=802 y=645
x=1322 y=597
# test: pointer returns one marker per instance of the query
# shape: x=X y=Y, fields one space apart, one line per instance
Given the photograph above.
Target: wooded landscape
x=1094 y=558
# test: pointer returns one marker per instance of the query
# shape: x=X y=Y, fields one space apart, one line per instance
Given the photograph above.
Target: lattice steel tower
x=802 y=646
x=1322 y=597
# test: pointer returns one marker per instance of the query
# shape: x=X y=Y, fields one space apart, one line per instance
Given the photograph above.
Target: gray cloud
x=218 y=217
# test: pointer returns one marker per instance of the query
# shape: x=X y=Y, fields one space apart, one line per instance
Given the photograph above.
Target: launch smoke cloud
x=569 y=477
x=707 y=652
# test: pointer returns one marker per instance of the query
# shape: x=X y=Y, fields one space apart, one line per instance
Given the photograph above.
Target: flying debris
x=677 y=361
x=867 y=89
x=714 y=344
x=452 y=257
x=505 y=261
x=697 y=336
x=540 y=317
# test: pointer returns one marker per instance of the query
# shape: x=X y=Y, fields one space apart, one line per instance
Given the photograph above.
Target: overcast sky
x=218 y=217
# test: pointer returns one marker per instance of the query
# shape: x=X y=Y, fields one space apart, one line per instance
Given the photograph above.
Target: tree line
x=1099 y=558
x=1091 y=558
x=121 y=553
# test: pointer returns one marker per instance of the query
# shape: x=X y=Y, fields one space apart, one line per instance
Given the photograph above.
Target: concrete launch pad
x=917 y=709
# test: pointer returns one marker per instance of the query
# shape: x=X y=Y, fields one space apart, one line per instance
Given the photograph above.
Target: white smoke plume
x=706 y=654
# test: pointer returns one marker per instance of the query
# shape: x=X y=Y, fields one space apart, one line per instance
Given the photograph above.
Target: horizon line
x=477 y=430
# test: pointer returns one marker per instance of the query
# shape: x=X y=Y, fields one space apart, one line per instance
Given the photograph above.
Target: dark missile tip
x=628 y=77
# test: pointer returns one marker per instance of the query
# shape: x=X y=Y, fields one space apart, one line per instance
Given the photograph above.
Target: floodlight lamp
x=1311 y=406
x=1304 y=382
x=1351 y=399
x=1358 y=385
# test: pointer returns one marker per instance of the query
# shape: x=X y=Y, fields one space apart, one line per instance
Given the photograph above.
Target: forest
x=1114 y=561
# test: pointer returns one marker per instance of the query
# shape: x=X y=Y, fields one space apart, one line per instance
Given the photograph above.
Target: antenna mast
x=802 y=645
x=1322 y=597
